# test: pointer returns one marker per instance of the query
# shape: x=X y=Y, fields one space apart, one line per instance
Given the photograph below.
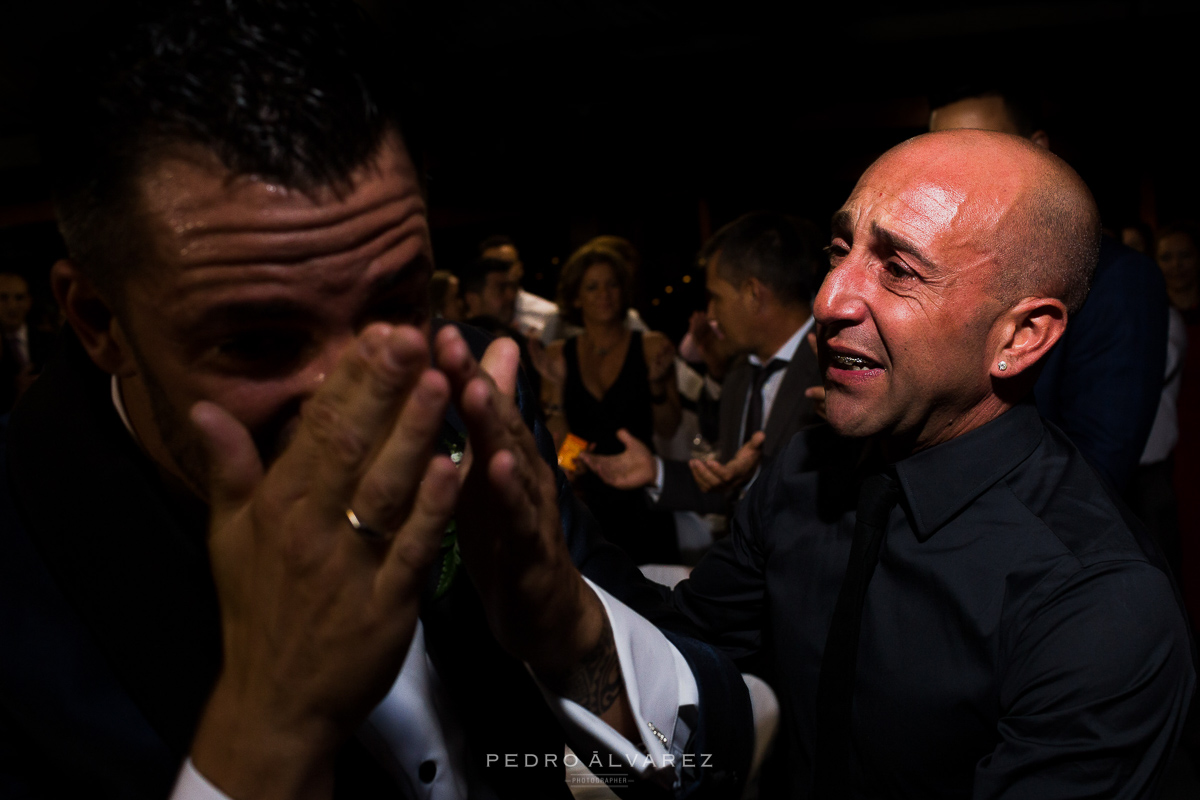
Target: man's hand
x=713 y=476
x=632 y=468
x=509 y=532
x=315 y=617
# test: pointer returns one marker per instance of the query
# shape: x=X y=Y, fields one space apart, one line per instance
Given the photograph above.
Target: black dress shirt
x=1017 y=639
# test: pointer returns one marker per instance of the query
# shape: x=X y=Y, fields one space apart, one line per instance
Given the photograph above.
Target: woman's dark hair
x=570 y=281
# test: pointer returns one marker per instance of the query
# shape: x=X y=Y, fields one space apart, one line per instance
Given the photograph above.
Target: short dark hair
x=770 y=248
x=1021 y=104
x=499 y=240
x=1186 y=227
x=474 y=277
x=286 y=89
x=571 y=279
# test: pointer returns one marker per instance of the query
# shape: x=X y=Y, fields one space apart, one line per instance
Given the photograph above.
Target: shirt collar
x=119 y=404
x=788 y=351
x=940 y=482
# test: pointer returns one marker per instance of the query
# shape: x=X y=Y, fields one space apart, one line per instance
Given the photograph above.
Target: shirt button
x=427 y=771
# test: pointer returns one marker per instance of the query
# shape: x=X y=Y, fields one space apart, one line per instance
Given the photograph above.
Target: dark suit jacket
x=42 y=345
x=1102 y=382
x=791 y=413
x=111 y=637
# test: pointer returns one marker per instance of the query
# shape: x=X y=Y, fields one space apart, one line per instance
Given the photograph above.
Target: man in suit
x=757 y=272
x=24 y=349
x=224 y=529
x=1102 y=383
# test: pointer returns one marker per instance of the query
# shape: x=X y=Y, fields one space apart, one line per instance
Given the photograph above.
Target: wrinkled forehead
x=201 y=218
x=936 y=193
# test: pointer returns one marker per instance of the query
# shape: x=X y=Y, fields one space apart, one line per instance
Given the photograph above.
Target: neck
x=779 y=326
x=935 y=431
x=138 y=409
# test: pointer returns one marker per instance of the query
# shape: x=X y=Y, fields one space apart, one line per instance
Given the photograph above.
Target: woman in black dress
x=608 y=379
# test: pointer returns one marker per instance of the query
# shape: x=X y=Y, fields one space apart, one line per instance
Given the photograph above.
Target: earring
x=1003 y=365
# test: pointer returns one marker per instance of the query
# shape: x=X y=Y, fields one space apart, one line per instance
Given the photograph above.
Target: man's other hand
x=509 y=531
x=632 y=468
x=316 y=617
x=713 y=476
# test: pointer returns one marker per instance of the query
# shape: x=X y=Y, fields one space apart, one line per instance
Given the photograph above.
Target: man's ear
x=1025 y=333
x=92 y=318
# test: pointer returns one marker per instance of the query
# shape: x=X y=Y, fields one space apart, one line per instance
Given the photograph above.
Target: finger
x=453 y=357
x=233 y=462
x=483 y=409
x=812 y=341
x=815 y=392
x=501 y=360
x=754 y=443
x=702 y=472
x=416 y=544
x=630 y=441
x=350 y=416
x=386 y=491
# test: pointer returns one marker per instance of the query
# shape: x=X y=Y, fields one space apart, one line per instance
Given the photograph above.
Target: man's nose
x=842 y=294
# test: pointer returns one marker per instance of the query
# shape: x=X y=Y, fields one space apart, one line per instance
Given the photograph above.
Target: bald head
x=1024 y=207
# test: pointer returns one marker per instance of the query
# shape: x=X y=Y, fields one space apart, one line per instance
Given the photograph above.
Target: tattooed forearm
x=597 y=683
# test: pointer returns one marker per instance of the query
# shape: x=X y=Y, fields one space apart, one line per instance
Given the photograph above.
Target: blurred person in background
x=606 y=379
x=24 y=347
x=531 y=313
x=1101 y=384
x=444 y=298
x=1176 y=250
x=758 y=276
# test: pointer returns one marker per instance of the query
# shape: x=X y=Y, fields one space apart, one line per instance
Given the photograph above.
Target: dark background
x=555 y=121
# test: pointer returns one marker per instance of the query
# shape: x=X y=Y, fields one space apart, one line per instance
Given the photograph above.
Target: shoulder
x=1072 y=504
x=1125 y=275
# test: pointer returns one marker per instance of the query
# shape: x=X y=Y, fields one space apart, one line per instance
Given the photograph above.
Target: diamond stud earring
x=1003 y=365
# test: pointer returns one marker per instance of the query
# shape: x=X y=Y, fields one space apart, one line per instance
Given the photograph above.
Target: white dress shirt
x=415 y=722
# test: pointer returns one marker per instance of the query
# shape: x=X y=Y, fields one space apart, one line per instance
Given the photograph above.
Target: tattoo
x=597 y=683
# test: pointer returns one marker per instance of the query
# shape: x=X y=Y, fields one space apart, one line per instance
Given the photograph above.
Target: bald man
x=1102 y=384
x=958 y=609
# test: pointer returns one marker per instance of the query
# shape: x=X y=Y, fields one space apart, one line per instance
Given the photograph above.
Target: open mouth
x=853 y=362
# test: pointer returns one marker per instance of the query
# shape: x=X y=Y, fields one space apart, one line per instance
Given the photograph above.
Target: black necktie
x=835 y=687
x=754 y=414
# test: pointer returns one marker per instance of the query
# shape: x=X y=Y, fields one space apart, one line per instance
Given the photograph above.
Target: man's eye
x=836 y=251
x=897 y=269
x=399 y=312
x=263 y=353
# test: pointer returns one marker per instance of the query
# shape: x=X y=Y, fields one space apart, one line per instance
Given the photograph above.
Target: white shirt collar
x=119 y=404
x=788 y=351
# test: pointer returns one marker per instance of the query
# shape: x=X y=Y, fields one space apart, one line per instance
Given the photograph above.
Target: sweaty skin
x=912 y=295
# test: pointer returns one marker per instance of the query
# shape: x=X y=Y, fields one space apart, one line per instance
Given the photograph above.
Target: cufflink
x=657 y=733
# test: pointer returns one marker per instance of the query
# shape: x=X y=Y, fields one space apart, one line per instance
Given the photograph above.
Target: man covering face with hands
x=265 y=517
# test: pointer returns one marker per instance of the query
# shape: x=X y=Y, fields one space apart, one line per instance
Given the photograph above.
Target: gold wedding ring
x=365 y=531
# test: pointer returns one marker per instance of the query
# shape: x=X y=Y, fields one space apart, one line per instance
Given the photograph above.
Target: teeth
x=853 y=362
